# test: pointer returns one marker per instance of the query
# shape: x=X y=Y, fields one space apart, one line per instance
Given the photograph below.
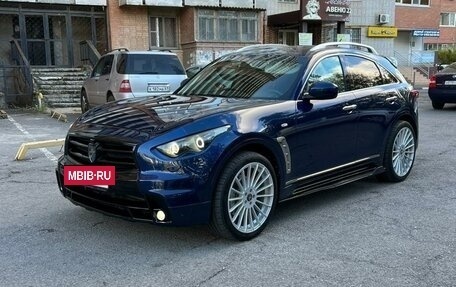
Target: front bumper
x=138 y=199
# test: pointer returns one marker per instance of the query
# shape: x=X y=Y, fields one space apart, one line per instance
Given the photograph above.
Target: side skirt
x=335 y=177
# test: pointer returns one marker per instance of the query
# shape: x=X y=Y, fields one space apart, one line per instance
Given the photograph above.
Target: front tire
x=245 y=197
x=399 y=153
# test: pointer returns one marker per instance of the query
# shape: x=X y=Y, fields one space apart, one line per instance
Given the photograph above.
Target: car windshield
x=160 y=64
x=247 y=75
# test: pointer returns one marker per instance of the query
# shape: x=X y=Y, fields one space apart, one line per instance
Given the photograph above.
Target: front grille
x=119 y=154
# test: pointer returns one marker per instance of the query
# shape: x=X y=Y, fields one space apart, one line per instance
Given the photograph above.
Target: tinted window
x=149 y=64
x=388 y=78
x=103 y=67
x=361 y=73
x=272 y=76
x=328 y=70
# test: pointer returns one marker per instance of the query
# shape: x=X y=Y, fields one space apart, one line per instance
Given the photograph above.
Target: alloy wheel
x=403 y=151
x=250 y=197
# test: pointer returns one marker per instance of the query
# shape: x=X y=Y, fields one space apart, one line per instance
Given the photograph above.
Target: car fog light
x=160 y=215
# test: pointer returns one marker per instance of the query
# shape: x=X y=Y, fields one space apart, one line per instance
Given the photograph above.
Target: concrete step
x=64 y=87
x=56 y=92
x=61 y=78
x=61 y=87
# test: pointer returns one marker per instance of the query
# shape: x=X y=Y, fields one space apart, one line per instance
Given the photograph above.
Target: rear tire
x=245 y=197
x=399 y=153
x=437 y=105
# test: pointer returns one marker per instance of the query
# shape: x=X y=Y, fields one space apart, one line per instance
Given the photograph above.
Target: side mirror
x=185 y=81
x=439 y=67
x=321 y=91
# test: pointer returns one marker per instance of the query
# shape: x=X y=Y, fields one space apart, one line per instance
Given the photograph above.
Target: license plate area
x=450 y=83
x=89 y=175
x=157 y=88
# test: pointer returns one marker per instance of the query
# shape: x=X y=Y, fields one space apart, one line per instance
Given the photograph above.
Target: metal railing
x=89 y=54
x=416 y=61
x=22 y=72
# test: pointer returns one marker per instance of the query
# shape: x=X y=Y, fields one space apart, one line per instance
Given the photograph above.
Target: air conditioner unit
x=383 y=18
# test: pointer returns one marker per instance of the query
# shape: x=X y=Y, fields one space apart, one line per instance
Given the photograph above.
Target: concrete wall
x=364 y=14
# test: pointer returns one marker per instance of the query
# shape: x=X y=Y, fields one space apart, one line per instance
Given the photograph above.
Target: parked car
x=442 y=87
x=123 y=74
x=256 y=127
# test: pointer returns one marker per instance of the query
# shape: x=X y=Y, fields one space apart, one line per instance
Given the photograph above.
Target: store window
x=163 y=32
x=225 y=25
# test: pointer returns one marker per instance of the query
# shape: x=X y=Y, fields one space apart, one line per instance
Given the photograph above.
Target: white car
x=122 y=74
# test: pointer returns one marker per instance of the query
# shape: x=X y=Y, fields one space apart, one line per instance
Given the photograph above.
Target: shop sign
x=329 y=10
x=382 y=32
x=426 y=33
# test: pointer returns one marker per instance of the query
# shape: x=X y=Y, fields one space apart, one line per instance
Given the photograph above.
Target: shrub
x=446 y=56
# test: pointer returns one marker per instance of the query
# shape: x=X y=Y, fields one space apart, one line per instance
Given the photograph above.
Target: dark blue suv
x=264 y=124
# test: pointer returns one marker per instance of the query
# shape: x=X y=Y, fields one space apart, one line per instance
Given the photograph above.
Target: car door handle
x=391 y=99
x=349 y=108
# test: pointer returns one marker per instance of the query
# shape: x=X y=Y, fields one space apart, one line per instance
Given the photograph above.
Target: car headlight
x=194 y=143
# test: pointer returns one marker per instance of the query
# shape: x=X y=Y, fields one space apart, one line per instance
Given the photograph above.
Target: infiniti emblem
x=454 y=76
x=92 y=151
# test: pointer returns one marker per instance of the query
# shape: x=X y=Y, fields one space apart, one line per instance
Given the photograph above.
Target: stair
x=409 y=73
x=60 y=87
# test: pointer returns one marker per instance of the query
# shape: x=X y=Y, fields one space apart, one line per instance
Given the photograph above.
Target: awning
x=284 y=19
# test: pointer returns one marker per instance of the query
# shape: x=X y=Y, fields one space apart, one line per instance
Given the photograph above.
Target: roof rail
x=160 y=50
x=345 y=45
x=119 y=49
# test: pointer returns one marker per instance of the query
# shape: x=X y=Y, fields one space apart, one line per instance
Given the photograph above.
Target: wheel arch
x=266 y=147
x=408 y=118
x=109 y=93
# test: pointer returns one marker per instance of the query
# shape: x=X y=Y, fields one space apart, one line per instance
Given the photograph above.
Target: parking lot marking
x=45 y=151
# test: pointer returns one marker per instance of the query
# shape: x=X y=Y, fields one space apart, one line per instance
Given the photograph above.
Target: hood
x=155 y=115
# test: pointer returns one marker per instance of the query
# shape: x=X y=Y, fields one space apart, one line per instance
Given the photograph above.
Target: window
x=388 y=78
x=355 y=34
x=206 y=25
x=163 y=32
x=227 y=26
x=414 y=2
x=447 y=19
x=328 y=70
x=288 y=37
x=103 y=67
x=361 y=73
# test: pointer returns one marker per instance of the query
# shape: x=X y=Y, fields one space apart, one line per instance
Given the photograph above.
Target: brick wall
x=187 y=25
x=128 y=26
x=411 y=17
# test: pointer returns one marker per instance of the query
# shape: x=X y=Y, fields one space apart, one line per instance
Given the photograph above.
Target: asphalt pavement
x=364 y=234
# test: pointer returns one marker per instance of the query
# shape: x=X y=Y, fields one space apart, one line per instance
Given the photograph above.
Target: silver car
x=122 y=74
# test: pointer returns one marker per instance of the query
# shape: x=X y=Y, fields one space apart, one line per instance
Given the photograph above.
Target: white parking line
x=45 y=151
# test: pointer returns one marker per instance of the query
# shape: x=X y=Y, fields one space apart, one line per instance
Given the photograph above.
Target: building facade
x=424 y=27
x=49 y=31
x=306 y=22
x=372 y=23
